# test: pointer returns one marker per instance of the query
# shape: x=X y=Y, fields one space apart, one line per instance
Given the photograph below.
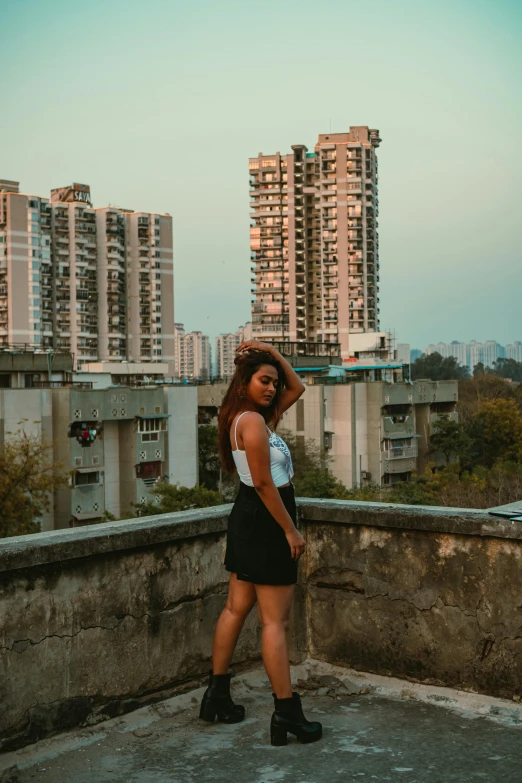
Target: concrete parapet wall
x=426 y=593
x=99 y=620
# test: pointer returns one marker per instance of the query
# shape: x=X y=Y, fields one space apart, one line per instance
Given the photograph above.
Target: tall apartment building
x=470 y=354
x=245 y=332
x=192 y=354
x=94 y=281
x=514 y=351
x=26 y=280
x=150 y=279
x=179 y=353
x=486 y=353
x=225 y=350
x=314 y=240
x=460 y=351
x=197 y=356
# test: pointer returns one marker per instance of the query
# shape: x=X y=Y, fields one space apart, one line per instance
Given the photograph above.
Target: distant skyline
x=158 y=107
x=466 y=342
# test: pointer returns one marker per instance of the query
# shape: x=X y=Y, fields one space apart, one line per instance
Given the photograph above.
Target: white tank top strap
x=235 y=427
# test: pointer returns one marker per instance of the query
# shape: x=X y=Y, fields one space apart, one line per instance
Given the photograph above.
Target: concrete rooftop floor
x=391 y=731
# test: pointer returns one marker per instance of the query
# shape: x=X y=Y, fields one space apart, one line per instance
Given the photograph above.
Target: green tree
x=172 y=498
x=209 y=464
x=496 y=431
x=508 y=368
x=211 y=475
x=489 y=386
x=451 y=438
x=479 y=370
x=436 y=368
x=28 y=478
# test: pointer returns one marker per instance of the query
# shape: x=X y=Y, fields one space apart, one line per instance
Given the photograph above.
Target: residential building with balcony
x=113 y=301
x=375 y=423
x=117 y=442
x=26 y=279
x=192 y=354
x=376 y=431
x=225 y=350
x=150 y=276
x=97 y=282
x=314 y=240
x=76 y=279
x=197 y=357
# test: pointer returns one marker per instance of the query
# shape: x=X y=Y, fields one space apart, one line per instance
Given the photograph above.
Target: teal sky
x=158 y=106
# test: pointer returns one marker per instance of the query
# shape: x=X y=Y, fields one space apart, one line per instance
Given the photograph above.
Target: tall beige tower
x=113 y=304
x=150 y=283
x=314 y=240
x=75 y=279
x=25 y=268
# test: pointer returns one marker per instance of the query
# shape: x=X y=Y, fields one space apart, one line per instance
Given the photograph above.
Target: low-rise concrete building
x=376 y=431
x=118 y=442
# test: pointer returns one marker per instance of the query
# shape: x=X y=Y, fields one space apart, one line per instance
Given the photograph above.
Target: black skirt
x=257 y=549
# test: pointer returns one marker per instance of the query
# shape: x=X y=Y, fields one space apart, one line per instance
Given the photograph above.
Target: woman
x=263 y=543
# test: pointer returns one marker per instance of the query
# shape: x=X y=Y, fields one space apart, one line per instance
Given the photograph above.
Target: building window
x=151 y=428
x=148 y=470
x=89 y=477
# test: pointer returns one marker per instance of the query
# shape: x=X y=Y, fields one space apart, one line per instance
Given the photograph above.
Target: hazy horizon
x=159 y=106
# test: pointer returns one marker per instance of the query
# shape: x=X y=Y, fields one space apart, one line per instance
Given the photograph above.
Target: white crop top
x=281 y=466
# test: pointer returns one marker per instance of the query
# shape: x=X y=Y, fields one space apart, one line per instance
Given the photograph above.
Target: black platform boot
x=288 y=717
x=217 y=701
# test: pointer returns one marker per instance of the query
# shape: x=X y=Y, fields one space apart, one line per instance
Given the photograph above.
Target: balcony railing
x=400 y=452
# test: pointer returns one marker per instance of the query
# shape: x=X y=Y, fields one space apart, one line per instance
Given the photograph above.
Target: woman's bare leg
x=241 y=599
x=274 y=602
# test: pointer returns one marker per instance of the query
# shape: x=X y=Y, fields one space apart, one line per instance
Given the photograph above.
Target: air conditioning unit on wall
x=365 y=474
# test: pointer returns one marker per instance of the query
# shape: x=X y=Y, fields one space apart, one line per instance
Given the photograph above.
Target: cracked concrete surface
x=375 y=729
x=98 y=621
x=22 y=644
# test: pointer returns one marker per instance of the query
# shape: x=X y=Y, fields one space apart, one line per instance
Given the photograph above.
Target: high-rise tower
x=314 y=240
x=97 y=282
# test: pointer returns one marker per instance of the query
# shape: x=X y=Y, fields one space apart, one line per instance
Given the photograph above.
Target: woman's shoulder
x=250 y=416
x=250 y=421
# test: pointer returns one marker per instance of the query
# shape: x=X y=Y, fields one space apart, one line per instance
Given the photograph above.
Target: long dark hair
x=247 y=363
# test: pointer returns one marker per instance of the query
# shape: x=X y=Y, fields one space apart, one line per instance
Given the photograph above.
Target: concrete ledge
x=60 y=545
x=433 y=519
x=101 y=619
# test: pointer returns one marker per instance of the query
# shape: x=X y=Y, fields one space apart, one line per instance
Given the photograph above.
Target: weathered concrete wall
x=431 y=594
x=98 y=620
x=101 y=619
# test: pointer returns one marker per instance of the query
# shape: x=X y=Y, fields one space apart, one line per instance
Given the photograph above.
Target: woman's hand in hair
x=296 y=543
x=257 y=345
